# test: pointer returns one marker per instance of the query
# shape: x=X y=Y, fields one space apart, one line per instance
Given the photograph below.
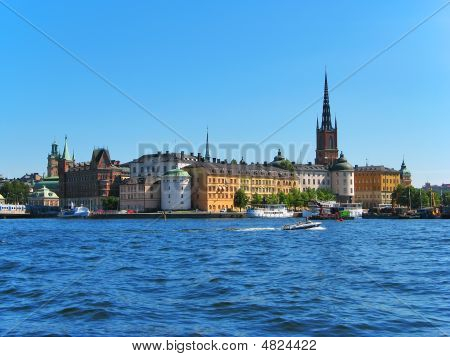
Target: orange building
x=214 y=184
x=374 y=185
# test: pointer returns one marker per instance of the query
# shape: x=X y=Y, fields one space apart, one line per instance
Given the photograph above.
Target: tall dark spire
x=326 y=113
x=208 y=154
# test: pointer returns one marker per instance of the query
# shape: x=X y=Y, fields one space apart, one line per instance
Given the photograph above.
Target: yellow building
x=374 y=185
x=214 y=184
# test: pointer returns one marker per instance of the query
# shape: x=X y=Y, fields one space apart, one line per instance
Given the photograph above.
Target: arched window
x=331 y=143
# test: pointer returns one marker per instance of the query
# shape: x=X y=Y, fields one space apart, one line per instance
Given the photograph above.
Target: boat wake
x=254 y=229
x=317 y=229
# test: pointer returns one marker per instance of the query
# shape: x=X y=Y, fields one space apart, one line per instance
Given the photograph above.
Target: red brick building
x=89 y=183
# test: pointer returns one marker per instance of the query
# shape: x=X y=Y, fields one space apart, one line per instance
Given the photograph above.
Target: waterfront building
x=214 y=183
x=2 y=200
x=158 y=164
x=142 y=191
x=311 y=176
x=140 y=194
x=405 y=175
x=342 y=180
x=374 y=185
x=327 y=135
x=43 y=197
x=88 y=183
x=176 y=191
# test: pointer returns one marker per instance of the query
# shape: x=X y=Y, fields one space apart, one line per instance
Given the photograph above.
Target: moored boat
x=75 y=212
x=269 y=211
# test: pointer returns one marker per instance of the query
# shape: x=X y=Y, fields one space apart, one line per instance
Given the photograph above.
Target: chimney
x=214 y=160
x=182 y=155
x=167 y=152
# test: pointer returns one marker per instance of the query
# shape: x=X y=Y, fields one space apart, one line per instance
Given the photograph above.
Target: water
x=224 y=278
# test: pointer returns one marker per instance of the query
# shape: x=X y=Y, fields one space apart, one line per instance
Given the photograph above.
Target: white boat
x=302 y=225
x=75 y=212
x=355 y=209
x=269 y=211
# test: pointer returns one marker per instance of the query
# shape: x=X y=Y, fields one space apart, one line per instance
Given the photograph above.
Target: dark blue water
x=224 y=278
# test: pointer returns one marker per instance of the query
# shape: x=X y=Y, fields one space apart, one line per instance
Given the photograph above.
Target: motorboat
x=269 y=211
x=302 y=225
x=75 y=212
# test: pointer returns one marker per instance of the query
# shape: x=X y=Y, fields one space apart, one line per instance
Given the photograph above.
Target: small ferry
x=269 y=211
x=75 y=212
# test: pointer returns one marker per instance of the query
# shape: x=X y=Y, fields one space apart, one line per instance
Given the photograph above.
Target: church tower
x=52 y=161
x=65 y=163
x=327 y=139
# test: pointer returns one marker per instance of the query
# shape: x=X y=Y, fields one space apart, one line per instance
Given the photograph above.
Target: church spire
x=66 y=152
x=326 y=113
x=208 y=154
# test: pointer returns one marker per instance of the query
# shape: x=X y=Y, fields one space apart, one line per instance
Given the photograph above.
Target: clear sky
x=240 y=67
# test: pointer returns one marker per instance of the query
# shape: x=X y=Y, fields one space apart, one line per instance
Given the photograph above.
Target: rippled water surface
x=224 y=278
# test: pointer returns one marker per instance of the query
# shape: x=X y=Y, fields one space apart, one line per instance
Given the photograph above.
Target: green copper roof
x=177 y=172
x=342 y=164
x=66 y=153
x=44 y=192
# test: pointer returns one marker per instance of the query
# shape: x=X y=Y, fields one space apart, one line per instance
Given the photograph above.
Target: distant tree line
x=15 y=192
x=416 y=198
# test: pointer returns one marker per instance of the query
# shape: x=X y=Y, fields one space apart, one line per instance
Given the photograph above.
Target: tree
x=324 y=194
x=296 y=198
x=282 y=198
x=286 y=165
x=414 y=197
x=240 y=199
x=446 y=198
x=272 y=199
x=110 y=203
x=256 y=199
x=15 y=192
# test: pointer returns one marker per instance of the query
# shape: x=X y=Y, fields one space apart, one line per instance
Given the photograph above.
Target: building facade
x=343 y=180
x=214 y=184
x=140 y=194
x=2 y=200
x=176 y=191
x=374 y=185
x=88 y=183
x=43 y=197
x=157 y=165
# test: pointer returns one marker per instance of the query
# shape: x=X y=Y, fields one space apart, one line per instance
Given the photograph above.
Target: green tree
x=256 y=199
x=446 y=198
x=296 y=198
x=110 y=203
x=15 y=192
x=414 y=198
x=286 y=165
x=324 y=194
x=282 y=198
x=272 y=199
x=240 y=199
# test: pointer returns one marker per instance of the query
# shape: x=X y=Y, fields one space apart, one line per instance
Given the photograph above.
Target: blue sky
x=240 y=67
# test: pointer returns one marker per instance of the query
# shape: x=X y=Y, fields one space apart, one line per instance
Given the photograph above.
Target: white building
x=176 y=191
x=343 y=180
